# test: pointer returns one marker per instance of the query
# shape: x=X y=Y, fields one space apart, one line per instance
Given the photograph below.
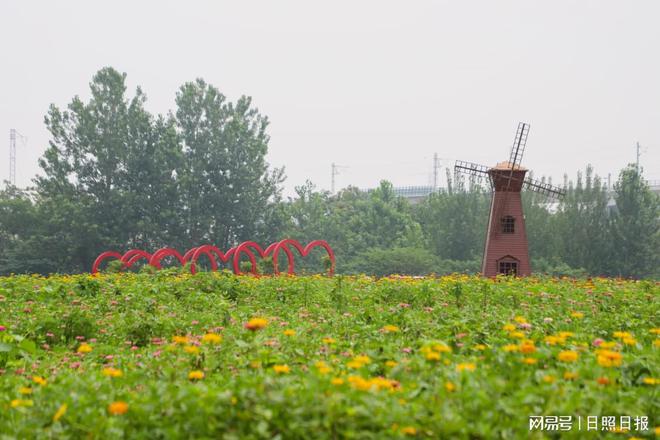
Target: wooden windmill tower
x=506 y=239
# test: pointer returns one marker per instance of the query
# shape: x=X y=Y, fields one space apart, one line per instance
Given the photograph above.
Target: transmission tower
x=13 y=134
x=335 y=172
x=12 y=157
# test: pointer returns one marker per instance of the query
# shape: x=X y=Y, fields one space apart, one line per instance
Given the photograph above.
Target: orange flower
x=603 y=381
x=118 y=408
x=255 y=324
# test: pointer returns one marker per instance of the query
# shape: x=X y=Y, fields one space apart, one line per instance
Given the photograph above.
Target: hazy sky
x=378 y=86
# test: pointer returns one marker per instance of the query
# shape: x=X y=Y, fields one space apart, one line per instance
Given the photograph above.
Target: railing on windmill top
x=215 y=255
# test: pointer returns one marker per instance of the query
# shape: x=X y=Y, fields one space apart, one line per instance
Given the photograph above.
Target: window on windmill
x=508 y=224
x=508 y=268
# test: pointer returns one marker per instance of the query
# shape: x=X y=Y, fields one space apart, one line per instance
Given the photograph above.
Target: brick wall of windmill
x=506 y=201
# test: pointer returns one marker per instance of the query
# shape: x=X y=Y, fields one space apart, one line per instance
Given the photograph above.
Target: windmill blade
x=519 y=143
x=472 y=169
x=543 y=188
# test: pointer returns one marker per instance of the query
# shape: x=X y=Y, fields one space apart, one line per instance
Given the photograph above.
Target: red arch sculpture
x=215 y=255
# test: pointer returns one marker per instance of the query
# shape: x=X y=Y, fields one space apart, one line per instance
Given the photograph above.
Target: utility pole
x=335 y=172
x=637 y=158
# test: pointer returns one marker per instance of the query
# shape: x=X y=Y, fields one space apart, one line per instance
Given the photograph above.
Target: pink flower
x=195 y=322
x=596 y=342
x=135 y=347
x=406 y=350
x=93 y=340
x=80 y=338
x=50 y=335
x=74 y=365
x=2 y=328
x=404 y=305
x=156 y=353
x=109 y=357
x=525 y=325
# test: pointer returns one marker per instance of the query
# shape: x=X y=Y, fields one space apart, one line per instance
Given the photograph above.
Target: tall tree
x=635 y=227
x=227 y=182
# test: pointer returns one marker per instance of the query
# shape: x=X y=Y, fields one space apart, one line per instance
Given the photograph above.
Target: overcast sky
x=378 y=86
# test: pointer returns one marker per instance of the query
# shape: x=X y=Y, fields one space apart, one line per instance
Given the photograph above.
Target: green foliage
x=406 y=260
x=364 y=358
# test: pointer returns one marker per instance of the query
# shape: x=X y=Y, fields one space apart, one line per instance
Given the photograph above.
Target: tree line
x=118 y=177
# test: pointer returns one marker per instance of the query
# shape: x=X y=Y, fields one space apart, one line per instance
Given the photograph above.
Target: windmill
x=506 y=247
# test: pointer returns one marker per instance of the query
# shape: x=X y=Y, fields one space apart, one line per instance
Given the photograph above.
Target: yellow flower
x=655 y=331
x=565 y=335
x=409 y=430
x=577 y=315
x=25 y=390
x=255 y=324
x=322 y=367
x=466 y=366
x=480 y=347
x=391 y=364
x=554 y=340
x=569 y=375
x=289 y=332
x=520 y=320
x=509 y=327
x=390 y=329
x=548 y=378
x=433 y=356
x=622 y=335
x=118 y=408
x=60 y=412
x=510 y=347
x=337 y=381
x=610 y=344
x=212 y=338
x=651 y=381
x=568 y=356
x=16 y=403
x=608 y=358
x=529 y=361
x=84 y=348
x=517 y=335
x=329 y=340
x=191 y=349
x=629 y=341
x=180 y=339
x=281 y=369
x=112 y=372
x=656 y=343
x=442 y=348
x=450 y=387
x=196 y=375
x=39 y=380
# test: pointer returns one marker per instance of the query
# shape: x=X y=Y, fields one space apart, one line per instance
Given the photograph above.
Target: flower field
x=213 y=355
